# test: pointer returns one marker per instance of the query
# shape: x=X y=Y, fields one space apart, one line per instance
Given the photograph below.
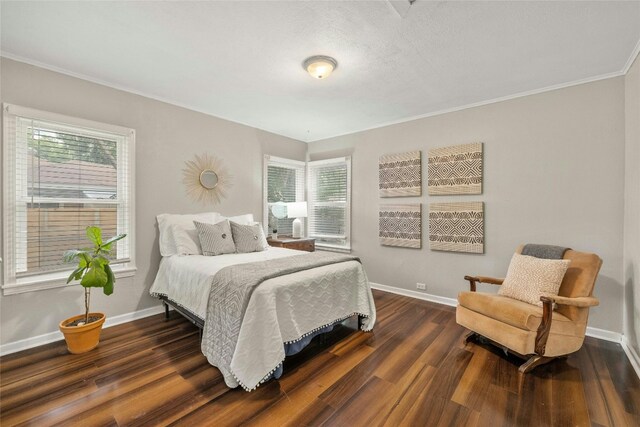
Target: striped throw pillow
x=215 y=239
x=249 y=238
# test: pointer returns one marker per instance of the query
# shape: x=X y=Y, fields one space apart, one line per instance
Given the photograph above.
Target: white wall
x=553 y=173
x=632 y=207
x=166 y=136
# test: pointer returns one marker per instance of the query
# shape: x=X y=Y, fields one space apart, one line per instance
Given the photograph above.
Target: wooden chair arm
x=545 y=325
x=547 y=315
x=575 y=301
x=481 y=279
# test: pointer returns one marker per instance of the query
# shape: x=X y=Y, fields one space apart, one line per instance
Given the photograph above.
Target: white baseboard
x=415 y=294
x=602 y=334
x=632 y=354
x=27 y=343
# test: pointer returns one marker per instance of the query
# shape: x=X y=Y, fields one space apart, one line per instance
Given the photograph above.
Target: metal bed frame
x=185 y=313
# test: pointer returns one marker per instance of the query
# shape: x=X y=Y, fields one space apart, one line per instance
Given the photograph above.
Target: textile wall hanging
x=455 y=170
x=400 y=175
x=457 y=227
x=401 y=225
x=206 y=179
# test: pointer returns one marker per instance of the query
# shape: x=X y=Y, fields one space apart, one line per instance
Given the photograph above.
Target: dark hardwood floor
x=413 y=370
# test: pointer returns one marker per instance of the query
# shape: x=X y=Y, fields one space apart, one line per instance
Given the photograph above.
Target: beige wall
x=166 y=136
x=553 y=173
x=632 y=207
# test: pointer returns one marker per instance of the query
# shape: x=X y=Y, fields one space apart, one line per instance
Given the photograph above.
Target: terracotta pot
x=81 y=339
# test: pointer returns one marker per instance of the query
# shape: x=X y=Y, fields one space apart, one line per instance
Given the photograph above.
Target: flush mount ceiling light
x=319 y=66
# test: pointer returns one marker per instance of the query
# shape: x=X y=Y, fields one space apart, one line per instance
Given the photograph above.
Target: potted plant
x=82 y=332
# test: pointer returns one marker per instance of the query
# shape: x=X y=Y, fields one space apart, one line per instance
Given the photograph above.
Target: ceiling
x=241 y=60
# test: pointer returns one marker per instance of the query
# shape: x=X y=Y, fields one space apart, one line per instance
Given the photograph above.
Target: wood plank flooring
x=412 y=370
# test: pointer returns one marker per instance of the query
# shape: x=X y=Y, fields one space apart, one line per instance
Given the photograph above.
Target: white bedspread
x=281 y=310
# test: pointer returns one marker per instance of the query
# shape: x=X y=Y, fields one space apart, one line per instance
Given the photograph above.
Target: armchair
x=533 y=333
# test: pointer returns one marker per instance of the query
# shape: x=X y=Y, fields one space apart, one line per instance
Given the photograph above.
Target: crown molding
x=622 y=72
x=482 y=103
x=29 y=61
x=632 y=58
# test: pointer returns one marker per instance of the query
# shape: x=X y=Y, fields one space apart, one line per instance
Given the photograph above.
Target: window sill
x=330 y=248
x=56 y=280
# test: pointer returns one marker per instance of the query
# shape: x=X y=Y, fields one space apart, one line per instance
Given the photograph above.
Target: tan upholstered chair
x=531 y=332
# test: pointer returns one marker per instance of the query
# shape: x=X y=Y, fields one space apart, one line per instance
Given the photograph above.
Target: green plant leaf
x=73 y=254
x=95 y=235
x=93 y=268
x=114 y=239
x=108 y=287
x=106 y=246
x=95 y=277
x=100 y=261
x=76 y=274
x=85 y=260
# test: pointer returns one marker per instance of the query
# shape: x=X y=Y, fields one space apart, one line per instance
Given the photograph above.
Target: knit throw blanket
x=231 y=289
x=544 y=251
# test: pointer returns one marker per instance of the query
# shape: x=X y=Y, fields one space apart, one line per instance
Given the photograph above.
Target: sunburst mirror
x=206 y=179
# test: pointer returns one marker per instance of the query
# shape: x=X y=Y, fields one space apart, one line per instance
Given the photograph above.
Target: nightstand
x=301 y=244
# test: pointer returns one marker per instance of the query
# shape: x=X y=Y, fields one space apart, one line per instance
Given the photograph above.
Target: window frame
x=11 y=284
x=280 y=161
x=327 y=246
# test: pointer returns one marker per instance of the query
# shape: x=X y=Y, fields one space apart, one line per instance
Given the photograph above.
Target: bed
x=282 y=313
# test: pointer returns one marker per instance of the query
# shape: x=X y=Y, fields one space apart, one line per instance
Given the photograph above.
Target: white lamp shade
x=297 y=210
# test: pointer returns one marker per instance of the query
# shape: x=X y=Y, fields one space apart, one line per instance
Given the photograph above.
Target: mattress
x=186 y=279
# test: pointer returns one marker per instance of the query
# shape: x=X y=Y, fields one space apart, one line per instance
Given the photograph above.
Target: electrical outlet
x=421 y=286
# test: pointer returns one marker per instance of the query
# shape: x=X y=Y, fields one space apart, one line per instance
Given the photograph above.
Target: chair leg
x=471 y=336
x=533 y=362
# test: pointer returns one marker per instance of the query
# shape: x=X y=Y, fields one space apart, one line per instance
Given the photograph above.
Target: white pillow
x=245 y=219
x=178 y=234
x=529 y=277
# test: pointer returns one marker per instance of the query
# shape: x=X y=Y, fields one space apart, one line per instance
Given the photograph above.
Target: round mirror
x=208 y=179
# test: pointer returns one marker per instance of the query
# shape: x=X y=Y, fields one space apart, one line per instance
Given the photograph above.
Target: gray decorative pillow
x=249 y=238
x=215 y=239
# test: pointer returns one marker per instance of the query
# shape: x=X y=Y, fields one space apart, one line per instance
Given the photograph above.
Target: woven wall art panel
x=400 y=175
x=401 y=225
x=455 y=170
x=457 y=227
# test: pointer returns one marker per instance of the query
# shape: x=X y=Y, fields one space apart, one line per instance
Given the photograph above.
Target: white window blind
x=62 y=175
x=329 y=202
x=284 y=182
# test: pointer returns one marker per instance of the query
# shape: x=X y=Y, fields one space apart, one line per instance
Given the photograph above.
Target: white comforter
x=281 y=310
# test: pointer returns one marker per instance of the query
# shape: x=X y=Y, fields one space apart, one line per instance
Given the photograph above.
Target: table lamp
x=297 y=210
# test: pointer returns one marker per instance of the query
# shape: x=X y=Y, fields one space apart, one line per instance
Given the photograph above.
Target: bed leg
x=166 y=310
x=360 y=322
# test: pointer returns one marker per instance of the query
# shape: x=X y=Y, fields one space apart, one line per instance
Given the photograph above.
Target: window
x=329 y=203
x=283 y=183
x=61 y=175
